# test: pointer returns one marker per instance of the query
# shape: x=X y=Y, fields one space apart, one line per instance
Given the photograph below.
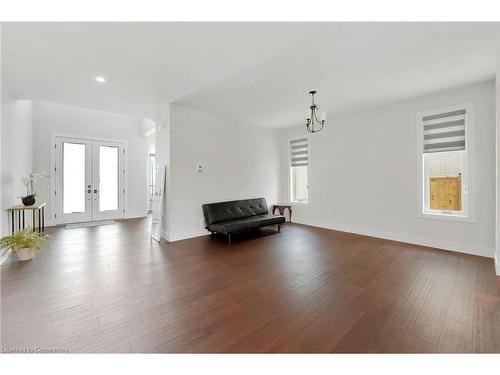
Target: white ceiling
x=259 y=73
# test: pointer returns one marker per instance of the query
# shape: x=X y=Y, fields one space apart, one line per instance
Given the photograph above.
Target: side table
x=281 y=209
x=17 y=216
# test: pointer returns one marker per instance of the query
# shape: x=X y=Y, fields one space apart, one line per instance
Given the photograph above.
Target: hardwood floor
x=111 y=289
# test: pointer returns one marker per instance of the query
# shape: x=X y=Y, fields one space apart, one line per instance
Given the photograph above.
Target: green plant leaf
x=23 y=239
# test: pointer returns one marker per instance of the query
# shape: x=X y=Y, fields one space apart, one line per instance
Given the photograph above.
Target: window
x=109 y=178
x=445 y=149
x=74 y=165
x=299 y=162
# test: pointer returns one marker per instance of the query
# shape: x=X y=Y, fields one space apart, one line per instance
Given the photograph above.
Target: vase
x=24 y=254
x=28 y=200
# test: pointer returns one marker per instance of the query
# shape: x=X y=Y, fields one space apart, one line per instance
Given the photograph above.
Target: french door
x=89 y=180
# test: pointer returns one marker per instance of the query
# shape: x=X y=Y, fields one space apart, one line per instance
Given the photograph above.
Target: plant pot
x=29 y=200
x=24 y=254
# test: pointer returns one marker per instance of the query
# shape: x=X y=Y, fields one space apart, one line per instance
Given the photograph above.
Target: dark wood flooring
x=111 y=289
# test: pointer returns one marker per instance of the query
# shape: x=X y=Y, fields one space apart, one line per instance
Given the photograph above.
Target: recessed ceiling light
x=100 y=79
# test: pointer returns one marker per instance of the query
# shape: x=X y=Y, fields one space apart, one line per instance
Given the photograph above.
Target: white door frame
x=53 y=155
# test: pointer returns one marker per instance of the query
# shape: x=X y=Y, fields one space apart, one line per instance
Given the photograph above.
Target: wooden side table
x=281 y=209
x=18 y=212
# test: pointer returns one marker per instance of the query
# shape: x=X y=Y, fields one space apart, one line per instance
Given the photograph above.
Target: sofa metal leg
x=229 y=239
x=279 y=228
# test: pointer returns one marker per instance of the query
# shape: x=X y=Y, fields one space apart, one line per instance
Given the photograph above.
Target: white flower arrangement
x=31 y=182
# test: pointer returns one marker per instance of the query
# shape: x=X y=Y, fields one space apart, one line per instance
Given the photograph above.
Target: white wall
x=147 y=127
x=2 y=213
x=497 y=226
x=16 y=149
x=53 y=118
x=239 y=161
x=363 y=174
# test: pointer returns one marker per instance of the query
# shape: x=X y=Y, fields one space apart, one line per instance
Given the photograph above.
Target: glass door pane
x=108 y=178
x=73 y=177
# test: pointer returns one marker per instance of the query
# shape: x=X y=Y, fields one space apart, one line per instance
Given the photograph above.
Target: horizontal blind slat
x=450 y=146
x=444 y=132
x=444 y=115
x=299 y=152
x=456 y=133
x=444 y=125
x=444 y=119
x=451 y=129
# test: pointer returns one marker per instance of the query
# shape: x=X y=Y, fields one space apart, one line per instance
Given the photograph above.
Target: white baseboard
x=131 y=215
x=128 y=215
x=497 y=264
x=135 y=215
x=416 y=240
x=172 y=237
x=163 y=234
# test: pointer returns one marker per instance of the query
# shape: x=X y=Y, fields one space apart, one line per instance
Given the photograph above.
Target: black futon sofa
x=239 y=216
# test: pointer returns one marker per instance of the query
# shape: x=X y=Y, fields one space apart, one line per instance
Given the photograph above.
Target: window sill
x=446 y=217
x=299 y=203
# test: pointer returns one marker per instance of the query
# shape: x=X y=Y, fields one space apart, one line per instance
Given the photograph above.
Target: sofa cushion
x=246 y=223
x=231 y=210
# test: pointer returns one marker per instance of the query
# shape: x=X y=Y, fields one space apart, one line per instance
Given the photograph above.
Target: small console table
x=281 y=209
x=18 y=217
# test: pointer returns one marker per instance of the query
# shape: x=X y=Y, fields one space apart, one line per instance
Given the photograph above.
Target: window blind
x=299 y=152
x=444 y=132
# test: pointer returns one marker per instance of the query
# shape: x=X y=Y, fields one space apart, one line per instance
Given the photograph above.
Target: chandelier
x=313 y=124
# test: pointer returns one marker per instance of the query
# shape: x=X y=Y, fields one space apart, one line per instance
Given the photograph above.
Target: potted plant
x=24 y=243
x=30 y=182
